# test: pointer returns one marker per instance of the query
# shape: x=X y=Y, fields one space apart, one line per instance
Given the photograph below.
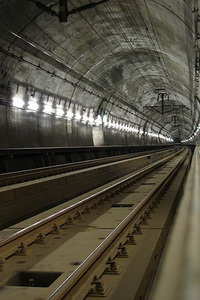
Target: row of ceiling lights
x=193 y=136
x=86 y=116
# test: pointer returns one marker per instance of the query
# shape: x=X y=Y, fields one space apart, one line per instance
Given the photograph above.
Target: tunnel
x=93 y=73
x=99 y=149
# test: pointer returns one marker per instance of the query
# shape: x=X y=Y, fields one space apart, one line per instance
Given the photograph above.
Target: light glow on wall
x=98 y=121
x=32 y=105
x=59 y=111
x=194 y=135
x=18 y=101
x=85 y=118
x=91 y=120
x=77 y=116
x=48 y=109
x=69 y=115
x=105 y=120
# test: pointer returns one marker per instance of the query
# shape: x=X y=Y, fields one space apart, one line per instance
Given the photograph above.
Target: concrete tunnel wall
x=112 y=60
x=21 y=128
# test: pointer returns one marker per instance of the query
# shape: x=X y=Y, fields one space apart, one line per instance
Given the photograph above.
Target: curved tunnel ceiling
x=134 y=59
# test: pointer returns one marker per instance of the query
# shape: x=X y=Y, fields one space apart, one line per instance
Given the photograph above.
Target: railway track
x=68 y=254
x=11 y=178
x=20 y=200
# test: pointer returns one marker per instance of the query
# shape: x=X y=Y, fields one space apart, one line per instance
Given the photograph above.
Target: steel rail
x=71 y=281
x=31 y=174
x=35 y=228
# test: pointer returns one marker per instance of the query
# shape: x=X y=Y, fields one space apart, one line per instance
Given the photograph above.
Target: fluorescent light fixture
x=98 y=120
x=48 y=109
x=69 y=114
x=77 y=116
x=152 y=134
x=110 y=124
x=85 y=118
x=32 y=105
x=165 y=138
x=117 y=125
x=18 y=101
x=91 y=120
x=126 y=127
x=105 y=120
x=59 y=111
